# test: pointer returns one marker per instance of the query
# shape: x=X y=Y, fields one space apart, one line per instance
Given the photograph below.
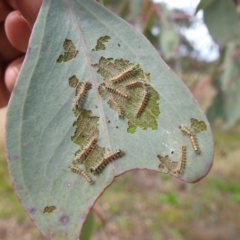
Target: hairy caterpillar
x=98 y=167
x=194 y=143
x=126 y=74
x=137 y=84
x=81 y=172
x=192 y=137
x=82 y=155
x=82 y=93
x=183 y=160
x=185 y=130
x=115 y=91
x=143 y=104
x=117 y=107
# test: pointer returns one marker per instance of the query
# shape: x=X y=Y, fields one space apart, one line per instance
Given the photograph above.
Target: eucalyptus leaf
x=168 y=38
x=222 y=21
x=231 y=69
x=226 y=103
x=94 y=100
x=135 y=8
x=202 y=5
x=226 y=106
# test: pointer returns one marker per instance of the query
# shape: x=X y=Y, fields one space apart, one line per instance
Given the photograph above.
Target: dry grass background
x=2 y=126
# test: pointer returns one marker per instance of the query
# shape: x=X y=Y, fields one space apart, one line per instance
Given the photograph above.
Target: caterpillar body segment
x=138 y=83
x=183 y=160
x=99 y=166
x=115 y=91
x=143 y=104
x=195 y=145
x=192 y=138
x=81 y=172
x=117 y=106
x=81 y=93
x=82 y=155
x=124 y=75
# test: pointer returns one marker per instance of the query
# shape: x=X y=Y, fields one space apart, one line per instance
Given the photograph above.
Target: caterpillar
x=192 y=137
x=137 y=84
x=117 y=106
x=185 y=130
x=81 y=172
x=115 y=91
x=126 y=74
x=143 y=104
x=82 y=155
x=194 y=143
x=82 y=93
x=183 y=159
x=98 y=167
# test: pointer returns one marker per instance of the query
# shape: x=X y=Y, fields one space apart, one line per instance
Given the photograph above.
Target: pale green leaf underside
x=226 y=103
x=219 y=15
x=40 y=117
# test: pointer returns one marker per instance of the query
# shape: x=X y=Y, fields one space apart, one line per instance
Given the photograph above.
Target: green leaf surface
x=168 y=38
x=227 y=101
x=222 y=21
x=231 y=70
x=103 y=112
x=226 y=106
x=203 y=4
x=135 y=8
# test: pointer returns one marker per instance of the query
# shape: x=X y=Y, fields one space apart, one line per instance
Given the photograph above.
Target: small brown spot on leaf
x=49 y=209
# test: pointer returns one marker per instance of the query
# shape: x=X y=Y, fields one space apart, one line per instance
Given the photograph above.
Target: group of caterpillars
x=179 y=167
x=96 y=168
x=132 y=71
x=81 y=156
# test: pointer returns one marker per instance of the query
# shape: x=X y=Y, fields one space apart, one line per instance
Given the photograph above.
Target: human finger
x=7 y=51
x=17 y=30
x=29 y=9
x=12 y=72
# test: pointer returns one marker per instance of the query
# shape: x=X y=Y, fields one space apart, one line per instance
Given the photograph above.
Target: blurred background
x=199 y=40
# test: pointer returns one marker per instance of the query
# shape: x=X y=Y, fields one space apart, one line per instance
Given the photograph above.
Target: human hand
x=16 y=22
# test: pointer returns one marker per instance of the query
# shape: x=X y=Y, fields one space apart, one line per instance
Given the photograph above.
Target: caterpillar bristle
x=195 y=144
x=81 y=93
x=192 y=137
x=143 y=104
x=124 y=75
x=115 y=91
x=185 y=130
x=98 y=167
x=82 y=155
x=118 y=107
x=81 y=172
x=137 y=84
x=183 y=160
